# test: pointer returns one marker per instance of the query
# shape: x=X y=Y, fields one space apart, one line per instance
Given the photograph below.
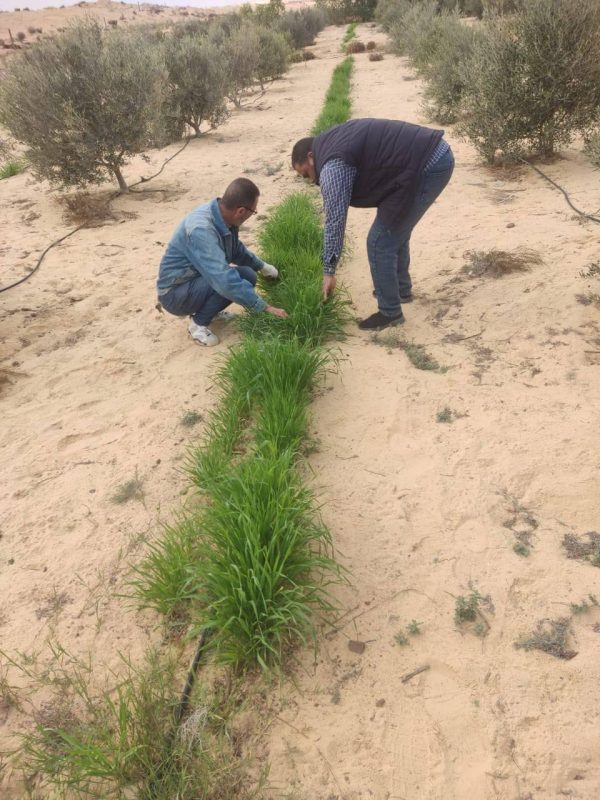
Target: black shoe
x=379 y=321
x=408 y=298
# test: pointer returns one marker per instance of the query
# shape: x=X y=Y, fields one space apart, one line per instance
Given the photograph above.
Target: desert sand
x=95 y=382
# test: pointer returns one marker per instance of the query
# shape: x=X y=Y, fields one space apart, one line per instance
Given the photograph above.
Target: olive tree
x=533 y=80
x=196 y=82
x=239 y=58
x=274 y=55
x=83 y=103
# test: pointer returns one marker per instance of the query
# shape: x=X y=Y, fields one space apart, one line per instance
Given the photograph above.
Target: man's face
x=307 y=170
x=243 y=213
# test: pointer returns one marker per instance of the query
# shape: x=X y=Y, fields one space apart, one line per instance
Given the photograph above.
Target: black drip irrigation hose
x=80 y=227
x=560 y=189
x=181 y=708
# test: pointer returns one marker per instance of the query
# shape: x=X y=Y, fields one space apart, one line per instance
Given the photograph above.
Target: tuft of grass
x=130 y=490
x=521 y=549
x=497 y=263
x=417 y=353
x=165 y=578
x=401 y=639
x=265 y=561
x=446 y=415
x=190 y=418
x=119 y=741
x=12 y=167
x=375 y=56
x=585 y=605
x=550 y=636
x=337 y=107
x=414 y=627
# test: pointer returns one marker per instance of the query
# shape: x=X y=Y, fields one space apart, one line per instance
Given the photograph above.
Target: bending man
x=195 y=277
x=397 y=168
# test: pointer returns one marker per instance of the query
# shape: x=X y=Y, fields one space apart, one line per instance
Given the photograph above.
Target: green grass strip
x=11 y=168
x=350 y=33
x=253 y=561
x=337 y=108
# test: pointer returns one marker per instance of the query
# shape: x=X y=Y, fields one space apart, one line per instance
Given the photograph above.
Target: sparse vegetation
x=190 y=418
x=130 y=490
x=550 y=636
x=577 y=547
x=375 y=56
x=498 y=263
x=467 y=611
x=355 y=46
x=82 y=208
x=12 y=167
x=417 y=353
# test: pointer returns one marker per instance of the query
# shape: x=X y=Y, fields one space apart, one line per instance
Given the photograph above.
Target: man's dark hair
x=301 y=150
x=240 y=193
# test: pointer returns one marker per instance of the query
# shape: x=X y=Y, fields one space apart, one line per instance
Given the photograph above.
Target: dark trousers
x=196 y=298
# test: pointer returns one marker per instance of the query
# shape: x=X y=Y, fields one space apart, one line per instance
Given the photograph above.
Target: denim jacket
x=203 y=245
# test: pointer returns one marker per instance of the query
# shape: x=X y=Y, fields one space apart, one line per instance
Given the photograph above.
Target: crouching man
x=196 y=278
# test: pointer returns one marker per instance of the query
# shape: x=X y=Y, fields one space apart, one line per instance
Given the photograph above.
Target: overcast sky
x=10 y=5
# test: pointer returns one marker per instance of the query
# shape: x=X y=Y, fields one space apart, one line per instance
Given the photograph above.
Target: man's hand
x=269 y=271
x=277 y=312
x=329 y=282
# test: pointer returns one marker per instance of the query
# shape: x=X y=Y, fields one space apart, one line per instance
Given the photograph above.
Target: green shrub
x=196 y=83
x=389 y=12
x=416 y=33
x=302 y=26
x=83 y=103
x=444 y=71
x=340 y=11
x=534 y=79
x=238 y=57
x=274 y=55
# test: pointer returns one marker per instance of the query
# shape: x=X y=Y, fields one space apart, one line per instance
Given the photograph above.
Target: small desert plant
x=355 y=46
x=12 y=167
x=375 y=56
x=550 y=636
x=533 y=80
x=498 y=263
x=371 y=46
x=578 y=548
x=20 y=37
x=130 y=490
x=190 y=418
x=82 y=208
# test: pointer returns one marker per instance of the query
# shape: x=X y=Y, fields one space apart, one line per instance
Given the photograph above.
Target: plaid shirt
x=336 y=181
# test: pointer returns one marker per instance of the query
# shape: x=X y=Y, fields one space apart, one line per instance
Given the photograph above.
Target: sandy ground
x=95 y=383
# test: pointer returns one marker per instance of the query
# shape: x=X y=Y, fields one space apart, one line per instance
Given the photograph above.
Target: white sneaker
x=225 y=316
x=202 y=334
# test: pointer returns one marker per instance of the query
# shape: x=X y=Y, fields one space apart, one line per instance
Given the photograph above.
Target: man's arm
x=336 y=181
x=207 y=255
x=246 y=258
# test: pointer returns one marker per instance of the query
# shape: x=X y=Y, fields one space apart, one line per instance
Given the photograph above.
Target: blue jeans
x=388 y=248
x=196 y=298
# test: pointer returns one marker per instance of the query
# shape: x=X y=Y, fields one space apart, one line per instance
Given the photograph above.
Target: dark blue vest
x=389 y=156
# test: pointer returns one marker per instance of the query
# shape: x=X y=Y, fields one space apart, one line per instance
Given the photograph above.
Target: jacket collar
x=218 y=218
